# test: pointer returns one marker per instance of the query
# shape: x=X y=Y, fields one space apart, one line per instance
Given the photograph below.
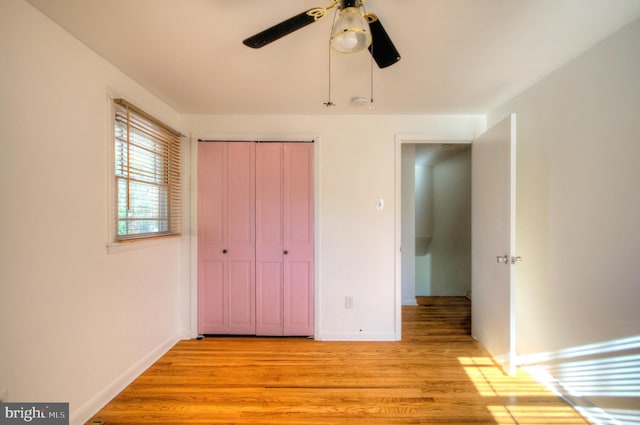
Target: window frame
x=170 y=152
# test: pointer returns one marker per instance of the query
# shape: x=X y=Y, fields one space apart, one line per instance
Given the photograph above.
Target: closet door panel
x=269 y=198
x=240 y=245
x=226 y=234
x=269 y=308
x=298 y=238
x=212 y=182
x=269 y=239
x=241 y=299
x=212 y=195
x=241 y=208
x=298 y=297
x=298 y=197
x=211 y=296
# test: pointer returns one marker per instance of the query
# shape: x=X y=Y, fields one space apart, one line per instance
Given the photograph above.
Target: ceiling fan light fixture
x=351 y=33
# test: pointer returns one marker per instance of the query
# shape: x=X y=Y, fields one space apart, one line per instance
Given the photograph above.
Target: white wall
x=423 y=177
x=76 y=323
x=578 y=209
x=451 y=243
x=423 y=193
x=356 y=245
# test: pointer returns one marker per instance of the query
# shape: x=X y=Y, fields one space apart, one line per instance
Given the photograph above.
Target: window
x=147 y=175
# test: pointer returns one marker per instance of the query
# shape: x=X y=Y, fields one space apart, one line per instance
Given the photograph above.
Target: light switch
x=379 y=204
x=348 y=302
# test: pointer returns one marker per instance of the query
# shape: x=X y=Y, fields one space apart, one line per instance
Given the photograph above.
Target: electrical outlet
x=348 y=302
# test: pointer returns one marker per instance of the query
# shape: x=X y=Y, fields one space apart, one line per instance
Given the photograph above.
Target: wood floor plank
x=436 y=375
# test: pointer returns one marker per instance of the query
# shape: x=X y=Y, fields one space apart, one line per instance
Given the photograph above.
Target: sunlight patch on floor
x=490 y=380
x=530 y=415
x=523 y=400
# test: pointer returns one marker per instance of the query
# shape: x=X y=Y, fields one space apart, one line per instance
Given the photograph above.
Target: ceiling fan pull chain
x=329 y=102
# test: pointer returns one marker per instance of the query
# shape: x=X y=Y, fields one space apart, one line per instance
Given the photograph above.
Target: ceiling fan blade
x=280 y=30
x=381 y=48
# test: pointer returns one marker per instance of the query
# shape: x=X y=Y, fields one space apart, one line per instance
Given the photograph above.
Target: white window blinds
x=147 y=175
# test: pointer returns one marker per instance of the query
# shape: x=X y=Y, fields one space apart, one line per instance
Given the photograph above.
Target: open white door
x=493 y=240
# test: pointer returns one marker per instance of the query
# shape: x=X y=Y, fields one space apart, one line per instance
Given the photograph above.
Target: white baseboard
x=82 y=414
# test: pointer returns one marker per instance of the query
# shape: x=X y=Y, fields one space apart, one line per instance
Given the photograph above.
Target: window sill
x=135 y=244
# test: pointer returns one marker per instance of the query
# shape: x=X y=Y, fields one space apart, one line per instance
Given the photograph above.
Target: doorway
x=493 y=249
x=436 y=220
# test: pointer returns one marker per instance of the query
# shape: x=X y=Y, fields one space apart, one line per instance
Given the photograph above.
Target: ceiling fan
x=353 y=31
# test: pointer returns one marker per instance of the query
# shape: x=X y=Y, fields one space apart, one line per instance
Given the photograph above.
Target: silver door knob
x=517 y=259
x=504 y=259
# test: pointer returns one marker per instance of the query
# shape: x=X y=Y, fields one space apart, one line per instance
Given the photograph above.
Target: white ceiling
x=458 y=56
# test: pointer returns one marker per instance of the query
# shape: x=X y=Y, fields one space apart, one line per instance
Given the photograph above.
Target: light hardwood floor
x=437 y=374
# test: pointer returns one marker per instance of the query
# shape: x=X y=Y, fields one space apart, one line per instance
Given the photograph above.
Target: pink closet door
x=284 y=239
x=298 y=238
x=226 y=238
